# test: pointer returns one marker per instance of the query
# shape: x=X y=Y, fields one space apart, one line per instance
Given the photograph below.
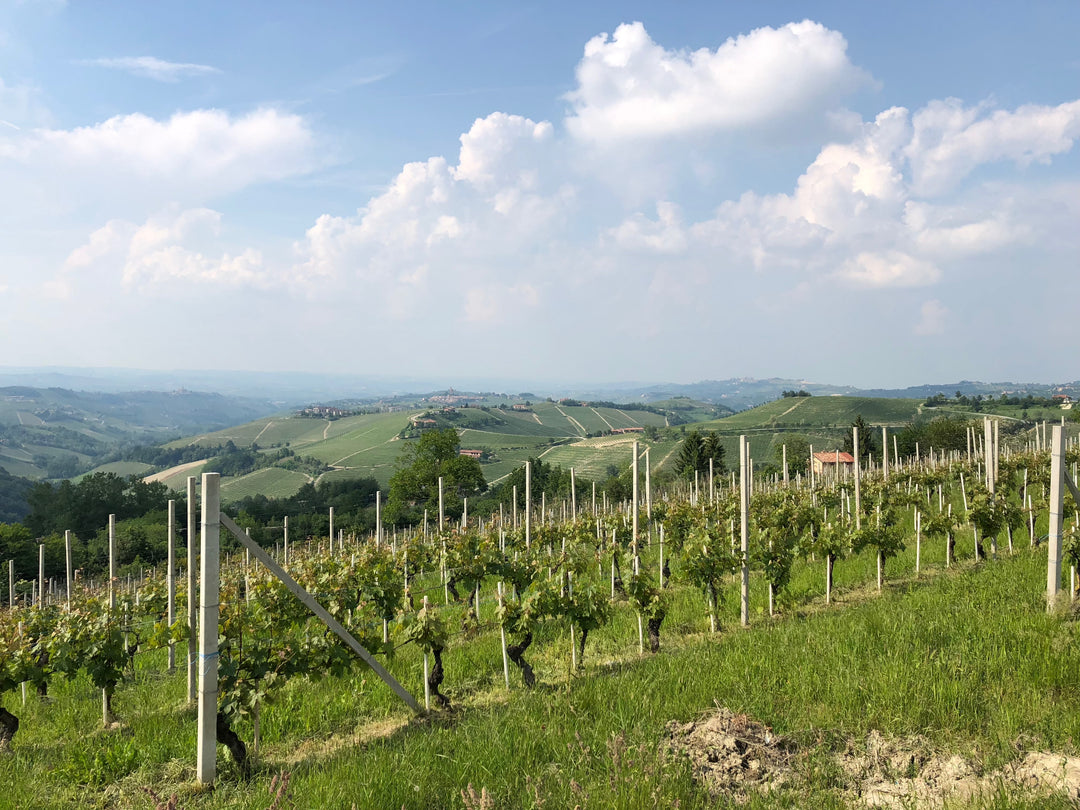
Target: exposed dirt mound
x=735 y=756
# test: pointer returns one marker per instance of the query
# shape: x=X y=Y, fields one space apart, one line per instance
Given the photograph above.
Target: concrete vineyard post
x=332 y=529
x=285 y=538
x=442 y=513
x=209 y=573
x=634 y=507
x=884 y=454
x=41 y=576
x=427 y=686
x=112 y=562
x=1057 y=495
x=661 y=555
x=784 y=456
x=192 y=597
x=67 y=560
x=378 y=518
x=744 y=527
x=170 y=579
x=502 y=638
x=858 y=477
x=918 y=540
x=11 y=583
x=573 y=494
x=648 y=491
x=528 y=504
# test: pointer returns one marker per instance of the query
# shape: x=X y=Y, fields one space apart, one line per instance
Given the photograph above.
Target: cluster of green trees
x=695 y=452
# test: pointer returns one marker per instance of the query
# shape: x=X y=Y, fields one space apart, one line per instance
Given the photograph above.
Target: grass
x=967 y=657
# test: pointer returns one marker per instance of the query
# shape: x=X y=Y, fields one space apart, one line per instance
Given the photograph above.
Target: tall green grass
x=968 y=658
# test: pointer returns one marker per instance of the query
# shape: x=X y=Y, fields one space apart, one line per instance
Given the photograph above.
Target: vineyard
x=549 y=648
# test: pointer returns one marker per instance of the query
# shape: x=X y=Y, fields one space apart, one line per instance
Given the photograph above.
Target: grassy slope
x=368 y=445
x=970 y=658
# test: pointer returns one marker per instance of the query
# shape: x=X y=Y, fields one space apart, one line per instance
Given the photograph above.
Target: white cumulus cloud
x=631 y=87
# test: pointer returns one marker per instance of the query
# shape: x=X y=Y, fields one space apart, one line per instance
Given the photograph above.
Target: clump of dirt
x=734 y=755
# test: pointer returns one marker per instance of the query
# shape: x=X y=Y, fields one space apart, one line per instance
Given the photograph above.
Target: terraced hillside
x=369 y=444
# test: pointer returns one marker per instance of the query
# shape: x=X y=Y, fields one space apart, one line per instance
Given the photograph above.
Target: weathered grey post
x=784 y=449
x=813 y=483
x=1057 y=483
x=67 y=559
x=744 y=502
x=191 y=588
x=11 y=583
x=41 y=577
x=573 y=495
x=170 y=579
x=858 y=477
x=285 y=538
x=209 y=572
x=528 y=504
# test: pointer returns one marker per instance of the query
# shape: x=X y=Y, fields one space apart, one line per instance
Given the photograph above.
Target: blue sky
x=869 y=194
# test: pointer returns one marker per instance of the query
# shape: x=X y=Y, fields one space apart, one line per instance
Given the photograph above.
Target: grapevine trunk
x=9 y=724
x=436 y=677
x=516 y=653
x=229 y=738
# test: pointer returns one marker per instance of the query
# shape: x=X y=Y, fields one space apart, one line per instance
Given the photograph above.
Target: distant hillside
x=60 y=433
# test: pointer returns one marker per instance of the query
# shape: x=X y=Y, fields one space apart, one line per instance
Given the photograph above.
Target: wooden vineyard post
x=112 y=562
x=884 y=453
x=744 y=504
x=11 y=583
x=192 y=590
x=1057 y=496
x=170 y=580
x=67 y=560
x=41 y=576
x=209 y=611
x=784 y=455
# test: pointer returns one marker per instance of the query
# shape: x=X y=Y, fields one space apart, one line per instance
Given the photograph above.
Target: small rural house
x=832 y=462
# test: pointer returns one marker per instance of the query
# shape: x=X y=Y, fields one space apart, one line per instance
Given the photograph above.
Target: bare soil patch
x=735 y=756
